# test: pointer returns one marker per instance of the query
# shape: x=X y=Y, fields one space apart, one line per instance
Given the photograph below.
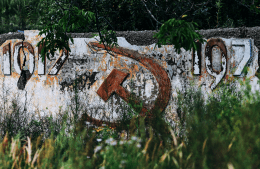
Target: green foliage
x=218 y=5
x=66 y=19
x=215 y=127
x=221 y=132
x=122 y=15
x=57 y=24
x=179 y=33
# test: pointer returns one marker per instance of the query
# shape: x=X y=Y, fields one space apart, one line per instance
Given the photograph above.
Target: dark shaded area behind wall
x=132 y=15
x=144 y=38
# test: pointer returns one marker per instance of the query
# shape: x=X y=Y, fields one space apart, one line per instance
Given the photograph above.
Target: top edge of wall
x=145 y=37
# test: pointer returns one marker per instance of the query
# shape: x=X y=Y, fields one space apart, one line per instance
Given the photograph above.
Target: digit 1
x=208 y=52
x=196 y=59
x=41 y=64
x=7 y=59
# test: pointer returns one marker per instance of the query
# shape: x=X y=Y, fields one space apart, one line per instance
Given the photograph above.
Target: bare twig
x=187 y=10
x=100 y=35
x=247 y=6
x=151 y=13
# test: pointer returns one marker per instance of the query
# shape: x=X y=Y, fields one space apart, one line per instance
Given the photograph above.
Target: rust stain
x=7 y=48
x=112 y=84
x=51 y=80
x=203 y=73
x=133 y=70
x=165 y=64
x=15 y=75
x=26 y=45
x=159 y=73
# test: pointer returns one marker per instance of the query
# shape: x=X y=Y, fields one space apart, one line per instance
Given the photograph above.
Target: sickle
x=159 y=73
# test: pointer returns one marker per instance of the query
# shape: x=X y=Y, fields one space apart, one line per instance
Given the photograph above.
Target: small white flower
x=109 y=140
x=138 y=145
x=97 y=149
x=99 y=139
x=113 y=143
x=122 y=142
x=124 y=154
x=139 y=140
x=130 y=142
x=123 y=162
x=122 y=165
x=134 y=138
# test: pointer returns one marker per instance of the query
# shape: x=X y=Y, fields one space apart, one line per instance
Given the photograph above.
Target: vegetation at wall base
x=223 y=132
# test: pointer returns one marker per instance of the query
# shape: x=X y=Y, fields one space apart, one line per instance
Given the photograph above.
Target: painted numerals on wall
x=18 y=60
x=59 y=63
x=196 y=63
x=7 y=59
x=41 y=63
x=218 y=74
x=216 y=58
x=30 y=60
x=244 y=47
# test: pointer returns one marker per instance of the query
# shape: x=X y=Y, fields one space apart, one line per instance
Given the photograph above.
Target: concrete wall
x=153 y=74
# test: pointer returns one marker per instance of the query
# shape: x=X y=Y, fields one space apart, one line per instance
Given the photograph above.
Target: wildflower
x=130 y=142
x=122 y=165
x=99 y=129
x=111 y=141
x=121 y=142
x=138 y=145
x=124 y=154
x=134 y=138
x=99 y=139
x=97 y=149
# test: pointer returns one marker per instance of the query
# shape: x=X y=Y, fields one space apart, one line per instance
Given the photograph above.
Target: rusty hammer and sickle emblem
x=116 y=77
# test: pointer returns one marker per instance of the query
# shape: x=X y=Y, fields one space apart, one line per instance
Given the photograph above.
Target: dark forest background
x=132 y=15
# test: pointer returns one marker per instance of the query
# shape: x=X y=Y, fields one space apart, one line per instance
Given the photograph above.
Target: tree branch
x=187 y=10
x=100 y=35
x=151 y=13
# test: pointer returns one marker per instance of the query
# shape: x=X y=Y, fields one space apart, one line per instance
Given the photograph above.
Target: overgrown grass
x=222 y=132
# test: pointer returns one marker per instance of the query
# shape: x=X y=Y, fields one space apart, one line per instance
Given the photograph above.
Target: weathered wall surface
x=106 y=79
